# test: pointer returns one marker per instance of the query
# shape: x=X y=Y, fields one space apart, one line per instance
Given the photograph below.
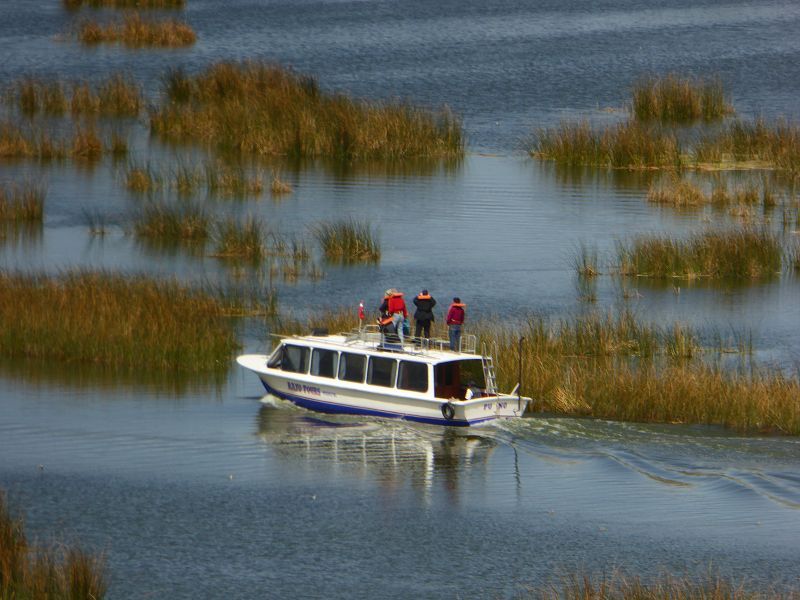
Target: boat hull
x=323 y=395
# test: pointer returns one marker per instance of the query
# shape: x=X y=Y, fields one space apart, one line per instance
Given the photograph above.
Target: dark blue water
x=199 y=490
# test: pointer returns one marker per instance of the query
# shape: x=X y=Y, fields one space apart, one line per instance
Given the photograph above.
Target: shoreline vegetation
x=136 y=31
x=33 y=571
x=262 y=109
x=122 y=322
x=649 y=138
x=127 y=4
x=621 y=368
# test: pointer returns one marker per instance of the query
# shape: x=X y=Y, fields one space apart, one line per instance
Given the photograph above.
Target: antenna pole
x=519 y=386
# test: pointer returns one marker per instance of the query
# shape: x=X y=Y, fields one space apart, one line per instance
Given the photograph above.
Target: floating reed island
x=117 y=96
x=121 y=322
x=677 y=99
x=132 y=4
x=348 y=240
x=136 y=31
x=29 y=571
x=737 y=254
x=262 y=109
x=22 y=203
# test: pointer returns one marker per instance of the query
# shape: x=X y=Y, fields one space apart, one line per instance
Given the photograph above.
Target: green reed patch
x=177 y=223
x=262 y=109
x=28 y=571
x=134 y=4
x=136 y=31
x=126 y=322
x=625 y=145
x=676 y=99
x=117 y=95
x=240 y=240
x=348 y=240
x=730 y=254
x=773 y=144
x=620 y=586
x=22 y=203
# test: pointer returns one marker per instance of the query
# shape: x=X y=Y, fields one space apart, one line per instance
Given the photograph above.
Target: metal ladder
x=489 y=375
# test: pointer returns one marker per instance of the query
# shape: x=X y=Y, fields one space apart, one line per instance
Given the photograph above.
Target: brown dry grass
x=136 y=31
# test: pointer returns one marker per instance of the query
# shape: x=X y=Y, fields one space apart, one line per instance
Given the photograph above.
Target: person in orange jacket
x=424 y=313
x=455 y=320
x=395 y=307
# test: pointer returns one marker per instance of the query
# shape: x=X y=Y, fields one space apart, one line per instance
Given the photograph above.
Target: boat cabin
x=440 y=374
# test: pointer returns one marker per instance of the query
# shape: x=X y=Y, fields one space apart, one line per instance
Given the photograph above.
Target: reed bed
x=217 y=178
x=279 y=187
x=676 y=99
x=136 y=31
x=60 y=572
x=121 y=322
x=134 y=4
x=586 y=262
x=626 y=145
x=117 y=95
x=182 y=223
x=267 y=110
x=241 y=241
x=619 y=586
x=678 y=192
x=769 y=144
x=732 y=254
x=83 y=143
x=348 y=240
x=22 y=203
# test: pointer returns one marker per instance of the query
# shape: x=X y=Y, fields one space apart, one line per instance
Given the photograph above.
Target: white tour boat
x=364 y=373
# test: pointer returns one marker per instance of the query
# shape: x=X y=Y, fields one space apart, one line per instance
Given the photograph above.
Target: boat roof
x=432 y=351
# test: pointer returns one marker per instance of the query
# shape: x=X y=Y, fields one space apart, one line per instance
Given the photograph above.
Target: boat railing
x=371 y=334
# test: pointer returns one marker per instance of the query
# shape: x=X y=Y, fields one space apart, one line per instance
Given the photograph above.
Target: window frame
x=416 y=363
x=393 y=382
x=307 y=353
x=363 y=357
x=314 y=352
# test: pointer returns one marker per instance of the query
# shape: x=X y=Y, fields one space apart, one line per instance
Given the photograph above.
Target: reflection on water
x=389 y=452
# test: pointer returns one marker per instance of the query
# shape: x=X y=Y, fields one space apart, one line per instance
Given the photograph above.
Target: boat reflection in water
x=391 y=452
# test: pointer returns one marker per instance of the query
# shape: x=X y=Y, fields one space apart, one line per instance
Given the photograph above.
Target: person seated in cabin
x=473 y=391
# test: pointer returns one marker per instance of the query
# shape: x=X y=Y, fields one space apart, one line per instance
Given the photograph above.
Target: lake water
x=194 y=489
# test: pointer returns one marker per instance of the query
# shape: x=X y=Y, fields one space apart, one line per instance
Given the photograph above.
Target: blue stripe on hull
x=342 y=409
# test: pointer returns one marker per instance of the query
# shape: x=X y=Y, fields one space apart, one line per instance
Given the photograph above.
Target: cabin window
x=413 y=376
x=352 y=367
x=295 y=359
x=274 y=361
x=451 y=379
x=381 y=371
x=323 y=363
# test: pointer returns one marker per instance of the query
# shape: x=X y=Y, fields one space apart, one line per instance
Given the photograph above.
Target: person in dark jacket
x=424 y=313
x=455 y=319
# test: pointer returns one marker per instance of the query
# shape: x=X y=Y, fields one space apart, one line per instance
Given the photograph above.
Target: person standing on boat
x=394 y=306
x=424 y=313
x=455 y=319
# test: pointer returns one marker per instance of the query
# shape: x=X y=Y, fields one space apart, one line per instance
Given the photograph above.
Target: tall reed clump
x=136 y=4
x=28 y=571
x=678 y=192
x=626 y=145
x=227 y=180
x=267 y=110
x=731 y=254
x=121 y=322
x=22 y=203
x=136 y=31
x=348 y=240
x=619 y=586
x=675 y=99
x=242 y=241
x=116 y=95
x=182 y=223
x=775 y=144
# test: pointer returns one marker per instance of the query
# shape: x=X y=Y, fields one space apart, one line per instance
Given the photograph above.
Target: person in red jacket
x=395 y=307
x=454 y=320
